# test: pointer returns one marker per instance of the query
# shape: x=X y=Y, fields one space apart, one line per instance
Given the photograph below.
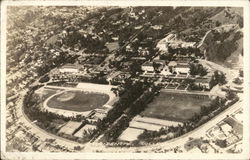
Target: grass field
x=80 y=101
x=175 y=107
x=112 y=46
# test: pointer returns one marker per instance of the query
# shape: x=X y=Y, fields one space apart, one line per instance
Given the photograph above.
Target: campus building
x=69 y=68
x=182 y=68
x=147 y=66
x=203 y=82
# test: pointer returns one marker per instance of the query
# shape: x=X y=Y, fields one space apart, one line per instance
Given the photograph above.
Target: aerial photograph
x=124 y=79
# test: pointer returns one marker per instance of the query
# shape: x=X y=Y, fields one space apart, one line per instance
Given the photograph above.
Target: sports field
x=79 y=101
x=175 y=107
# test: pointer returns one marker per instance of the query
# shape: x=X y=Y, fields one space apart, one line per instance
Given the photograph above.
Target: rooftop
x=147 y=64
x=202 y=80
x=182 y=65
x=73 y=66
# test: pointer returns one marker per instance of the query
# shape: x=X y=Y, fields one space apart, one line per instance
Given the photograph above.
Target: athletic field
x=79 y=101
x=174 y=107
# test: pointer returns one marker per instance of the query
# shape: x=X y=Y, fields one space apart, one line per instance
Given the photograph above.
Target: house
x=147 y=66
x=143 y=51
x=138 y=27
x=115 y=38
x=182 y=68
x=118 y=77
x=226 y=128
x=157 y=27
x=129 y=48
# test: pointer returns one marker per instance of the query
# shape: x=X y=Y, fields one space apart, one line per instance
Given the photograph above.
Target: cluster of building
x=139 y=124
x=227 y=135
x=171 y=40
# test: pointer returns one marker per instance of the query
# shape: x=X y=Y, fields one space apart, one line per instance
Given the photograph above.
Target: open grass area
x=112 y=46
x=79 y=101
x=175 y=107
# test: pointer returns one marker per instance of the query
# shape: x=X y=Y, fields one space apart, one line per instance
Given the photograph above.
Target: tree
x=221 y=143
x=237 y=81
x=156 y=67
x=45 y=78
x=218 y=78
x=134 y=68
x=230 y=95
x=217 y=23
x=241 y=72
x=197 y=69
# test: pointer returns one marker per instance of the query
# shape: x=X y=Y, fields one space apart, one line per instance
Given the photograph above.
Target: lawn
x=175 y=107
x=78 y=101
x=52 y=40
x=112 y=46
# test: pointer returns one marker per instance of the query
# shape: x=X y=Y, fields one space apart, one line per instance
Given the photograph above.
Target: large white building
x=204 y=82
x=147 y=66
x=69 y=68
x=182 y=68
x=163 y=44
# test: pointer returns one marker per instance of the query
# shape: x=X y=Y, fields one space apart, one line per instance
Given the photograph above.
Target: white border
x=32 y=155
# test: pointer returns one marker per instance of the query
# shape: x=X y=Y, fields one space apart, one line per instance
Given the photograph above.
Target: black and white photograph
x=102 y=78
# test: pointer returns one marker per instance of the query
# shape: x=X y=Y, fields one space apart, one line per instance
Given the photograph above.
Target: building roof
x=182 y=65
x=147 y=64
x=159 y=61
x=202 y=80
x=71 y=66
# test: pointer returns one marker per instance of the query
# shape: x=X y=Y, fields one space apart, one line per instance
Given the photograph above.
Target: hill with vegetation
x=224 y=45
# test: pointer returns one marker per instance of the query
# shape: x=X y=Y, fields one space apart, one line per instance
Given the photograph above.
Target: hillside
x=229 y=16
x=223 y=45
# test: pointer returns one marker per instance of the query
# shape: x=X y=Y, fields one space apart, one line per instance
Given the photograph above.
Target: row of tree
x=134 y=109
x=133 y=90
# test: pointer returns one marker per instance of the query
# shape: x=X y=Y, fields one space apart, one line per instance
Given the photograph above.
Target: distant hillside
x=199 y=20
x=229 y=16
x=223 y=45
